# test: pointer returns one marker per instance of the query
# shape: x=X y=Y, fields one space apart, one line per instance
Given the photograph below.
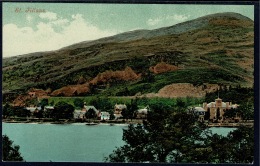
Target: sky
x=34 y=27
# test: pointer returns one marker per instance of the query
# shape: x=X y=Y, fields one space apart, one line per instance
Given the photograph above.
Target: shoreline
x=121 y=122
x=65 y=122
x=76 y=123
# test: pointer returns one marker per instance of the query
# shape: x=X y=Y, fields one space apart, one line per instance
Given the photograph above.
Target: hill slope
x=214 y=49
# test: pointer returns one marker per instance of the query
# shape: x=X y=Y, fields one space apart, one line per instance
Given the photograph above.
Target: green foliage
x=21 y=112
x=237 y=147
x=180 y=104
x=43 y=103
x=207 y=115
x=111 y=114
x=38 y=113
x=78 y=103
x=246 y=110
x=218 y=114
x=10 y=151
x=56 y=69
x=33 y=102
x=165 y=137
x=177 y=137
x=101 y=103
x=230 y=113
x=91 y=114
x=62 y=110
x=196 y=76
x=131 y=109
x=235 y=94
x=8 y=111
x=148 y=77
x=242 y=145
x=244 y=97
x=107 y=103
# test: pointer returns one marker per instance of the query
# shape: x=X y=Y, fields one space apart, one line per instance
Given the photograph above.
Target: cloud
x=166 y=20
x=29 y=18
x=153 y=22
x=177 y=18
x=60 y=22
x=51 y=35
x=48 y=15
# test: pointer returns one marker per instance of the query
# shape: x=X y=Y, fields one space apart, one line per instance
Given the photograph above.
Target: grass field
x=141 y=101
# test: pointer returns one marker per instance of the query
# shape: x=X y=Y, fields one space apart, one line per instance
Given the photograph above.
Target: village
x=212 y=114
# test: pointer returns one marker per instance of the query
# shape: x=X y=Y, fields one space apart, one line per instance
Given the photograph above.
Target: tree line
x=177 y=137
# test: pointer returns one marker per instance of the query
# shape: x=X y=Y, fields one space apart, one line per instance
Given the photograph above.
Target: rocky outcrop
x=126 y=75
x=71 y=90
x=108 y=76
x=33 y=93
x=162 y=68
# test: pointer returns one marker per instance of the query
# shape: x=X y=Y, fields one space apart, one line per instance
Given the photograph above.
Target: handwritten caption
x=29 y=10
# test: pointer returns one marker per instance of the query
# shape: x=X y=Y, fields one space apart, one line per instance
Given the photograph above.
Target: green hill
x=214 y=49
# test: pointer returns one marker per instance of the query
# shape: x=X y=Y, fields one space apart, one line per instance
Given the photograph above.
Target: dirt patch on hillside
x=108 y=76
x=184 y=90
x=30 y=95
x=126 y=75
x=71 y=90
x=162 y=68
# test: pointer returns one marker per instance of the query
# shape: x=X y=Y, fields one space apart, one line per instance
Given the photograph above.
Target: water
x=69 y=143
x=221 y=130
x=73 y=142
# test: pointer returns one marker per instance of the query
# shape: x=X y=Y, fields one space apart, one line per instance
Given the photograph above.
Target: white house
x=32 y=109
x=142 y=113
x=118 y=110
x=104 y=116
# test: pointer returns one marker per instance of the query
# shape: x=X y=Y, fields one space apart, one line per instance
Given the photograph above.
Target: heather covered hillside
x=199 y=54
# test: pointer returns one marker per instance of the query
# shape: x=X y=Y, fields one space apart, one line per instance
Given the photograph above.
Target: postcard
x=128 y=82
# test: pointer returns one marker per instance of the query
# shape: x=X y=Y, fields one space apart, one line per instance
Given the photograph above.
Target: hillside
x=214 y=49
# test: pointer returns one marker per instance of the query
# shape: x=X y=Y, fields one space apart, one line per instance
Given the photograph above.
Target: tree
x=166 y=136
x=246 y=110
x=62 y=110
x=8 y=111
x=43 y=103
x=112 y=116
x=33 y=102
x=21 y=112
x=241 y=142
x=129 y=112
x=230 y=113
x=101 y=103
x=91 y=114
x=207 y=114
x=218 y=115
x=237 y=147
x=180 y=104
x=38 y=113
x=10 y=151
x=148 y=76
x=125 y=113
x=78 y=103
x=219 y=149
x=52 y=103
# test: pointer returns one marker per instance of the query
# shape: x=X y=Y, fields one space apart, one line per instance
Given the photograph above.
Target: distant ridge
x=174 y=29
x=213 y=49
